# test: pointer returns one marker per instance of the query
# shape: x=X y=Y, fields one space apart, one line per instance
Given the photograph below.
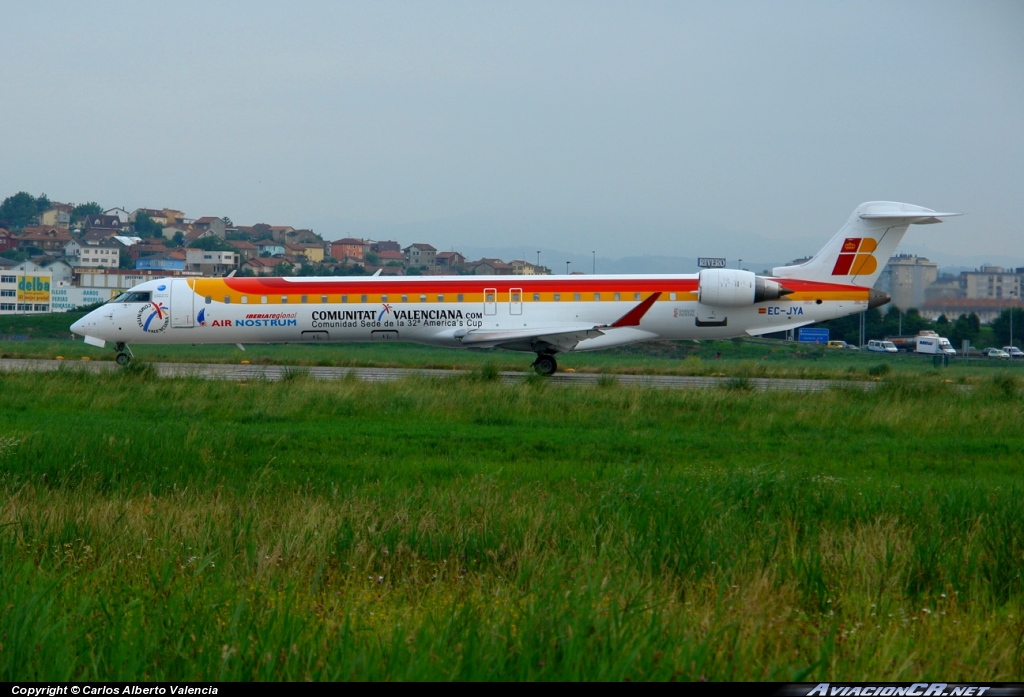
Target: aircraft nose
x=83 y=326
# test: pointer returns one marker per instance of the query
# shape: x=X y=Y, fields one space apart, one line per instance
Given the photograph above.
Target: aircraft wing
x=562 y=338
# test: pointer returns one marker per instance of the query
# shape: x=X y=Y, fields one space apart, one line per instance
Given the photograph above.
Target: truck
x=926 y=342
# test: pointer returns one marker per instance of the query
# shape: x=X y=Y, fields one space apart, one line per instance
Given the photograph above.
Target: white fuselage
x=447 y=311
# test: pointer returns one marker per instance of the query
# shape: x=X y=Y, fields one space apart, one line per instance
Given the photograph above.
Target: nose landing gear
x=124 y=354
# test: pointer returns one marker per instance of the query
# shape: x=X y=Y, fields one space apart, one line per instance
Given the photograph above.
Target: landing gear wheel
x=124 y=354
x=545 y=364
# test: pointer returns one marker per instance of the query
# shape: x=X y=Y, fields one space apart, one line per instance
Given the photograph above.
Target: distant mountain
x=672 y=247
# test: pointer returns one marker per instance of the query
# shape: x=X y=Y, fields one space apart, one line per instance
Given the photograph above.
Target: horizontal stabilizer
x=857 y=253
x=910 y=217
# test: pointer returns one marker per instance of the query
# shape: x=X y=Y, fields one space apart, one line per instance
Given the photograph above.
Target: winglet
x=633 y=317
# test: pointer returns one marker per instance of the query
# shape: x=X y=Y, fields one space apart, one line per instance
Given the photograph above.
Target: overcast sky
x=628 y=128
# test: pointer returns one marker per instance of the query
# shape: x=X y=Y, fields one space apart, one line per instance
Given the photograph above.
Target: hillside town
x=59 y=256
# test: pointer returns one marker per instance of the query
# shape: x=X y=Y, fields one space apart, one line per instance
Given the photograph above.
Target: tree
x=211 y=244
x=18 y=211
x=79 y=212
x=145 y=226
x=963 y=330
x=372 y=258
x=1001 y=325
x=15 y=254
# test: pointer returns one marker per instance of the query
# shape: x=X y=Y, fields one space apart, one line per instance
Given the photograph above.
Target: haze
x=739 y=129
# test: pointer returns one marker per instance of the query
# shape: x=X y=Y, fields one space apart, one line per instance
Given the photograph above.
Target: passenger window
x=597 y=297
x=245 y=299
x=363 y=298
x=227 y=299
x=263 y=299
x=672 y=296
x=303 y=298
x=460 y=297
x=208 y=300
x=558 y=296
x=636 y=296
x=423 y=298
x=617 y=297
x=440 y=298
x=515 y=297
x=576 y=297
x=405 y=298
x=344 y=299
x=284 y=299
x=536 y=297
x=490 y=297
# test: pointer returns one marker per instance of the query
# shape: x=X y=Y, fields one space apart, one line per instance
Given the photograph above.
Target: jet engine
x=736 y=288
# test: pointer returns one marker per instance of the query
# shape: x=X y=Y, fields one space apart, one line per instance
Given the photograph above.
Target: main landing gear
x=545 y=364
x=124 y=354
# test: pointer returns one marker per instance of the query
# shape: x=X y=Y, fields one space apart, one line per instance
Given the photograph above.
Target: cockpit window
x=133 y=296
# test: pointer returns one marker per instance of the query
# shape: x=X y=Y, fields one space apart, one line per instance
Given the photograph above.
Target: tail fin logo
x=856 y=257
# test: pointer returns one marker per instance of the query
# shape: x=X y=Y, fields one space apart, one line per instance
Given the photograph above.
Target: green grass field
x=463 y=529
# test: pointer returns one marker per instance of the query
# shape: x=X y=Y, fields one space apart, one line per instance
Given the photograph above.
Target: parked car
x=995 y=353
x=1014 y=352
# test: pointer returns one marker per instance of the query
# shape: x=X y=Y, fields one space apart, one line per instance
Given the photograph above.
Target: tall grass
x=467 y=529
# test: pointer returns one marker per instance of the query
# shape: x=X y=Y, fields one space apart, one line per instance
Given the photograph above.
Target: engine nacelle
x=736 y=288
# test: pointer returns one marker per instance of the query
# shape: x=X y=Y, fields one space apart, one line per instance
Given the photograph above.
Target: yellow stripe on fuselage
x=218 y=290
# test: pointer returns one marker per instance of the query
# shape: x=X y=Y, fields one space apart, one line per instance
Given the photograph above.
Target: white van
x=882 y=346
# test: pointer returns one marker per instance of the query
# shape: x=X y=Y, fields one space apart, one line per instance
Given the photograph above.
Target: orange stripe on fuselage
x=472 y=289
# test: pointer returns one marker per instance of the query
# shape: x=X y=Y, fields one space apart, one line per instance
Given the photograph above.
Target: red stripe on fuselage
x=477 y=284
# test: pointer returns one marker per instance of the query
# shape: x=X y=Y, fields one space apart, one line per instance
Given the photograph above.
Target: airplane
x=544 y=315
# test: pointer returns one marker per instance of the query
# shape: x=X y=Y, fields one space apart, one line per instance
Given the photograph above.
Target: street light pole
x=1012 y=293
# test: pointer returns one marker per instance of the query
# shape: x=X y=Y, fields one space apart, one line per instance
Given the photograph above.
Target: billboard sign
x=34 y=289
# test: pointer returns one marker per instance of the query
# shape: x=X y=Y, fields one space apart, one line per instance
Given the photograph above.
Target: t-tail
x=862 y=247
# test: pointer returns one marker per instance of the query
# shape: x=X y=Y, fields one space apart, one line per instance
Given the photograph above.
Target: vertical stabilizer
x=862 y=247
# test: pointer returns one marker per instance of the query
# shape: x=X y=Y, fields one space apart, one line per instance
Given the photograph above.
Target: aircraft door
x=182 y=297
x=515 y=301
x=490 y=301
